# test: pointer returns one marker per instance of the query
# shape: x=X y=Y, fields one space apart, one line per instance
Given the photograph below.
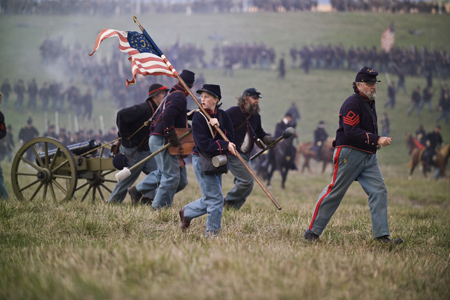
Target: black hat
x=155 y=89
x=188 y=77
x=366 y=74
x=120 y=161
x=252 y=92
x=212 y=89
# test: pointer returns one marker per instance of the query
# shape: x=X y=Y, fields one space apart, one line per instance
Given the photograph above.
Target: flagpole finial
x=138 y=24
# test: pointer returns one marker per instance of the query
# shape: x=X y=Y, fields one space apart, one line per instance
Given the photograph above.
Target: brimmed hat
x=155 y=89
x=188 y=77
x=252 y=92
x=367 y=74
x=212 y=89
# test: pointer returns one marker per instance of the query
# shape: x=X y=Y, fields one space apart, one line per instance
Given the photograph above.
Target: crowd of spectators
x=127 y=7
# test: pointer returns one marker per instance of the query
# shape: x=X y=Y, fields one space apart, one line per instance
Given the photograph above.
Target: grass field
x=75 y=250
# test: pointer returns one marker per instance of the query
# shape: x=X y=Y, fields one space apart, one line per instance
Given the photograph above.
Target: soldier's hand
x=384 y=141
x=232 y=148
x=173 y=139
x=268 y=140
x=214 y=122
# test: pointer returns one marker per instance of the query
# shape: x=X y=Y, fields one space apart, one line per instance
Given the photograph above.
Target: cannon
x=45 y=168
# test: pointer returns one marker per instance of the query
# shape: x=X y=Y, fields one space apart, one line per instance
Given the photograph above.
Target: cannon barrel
x=76 y=149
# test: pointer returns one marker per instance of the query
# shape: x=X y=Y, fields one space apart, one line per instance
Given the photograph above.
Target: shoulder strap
x=242 y=124
x=206 y=119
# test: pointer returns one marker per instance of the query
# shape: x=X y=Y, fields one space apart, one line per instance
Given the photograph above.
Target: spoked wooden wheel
x=44 y=168
x=96 y=184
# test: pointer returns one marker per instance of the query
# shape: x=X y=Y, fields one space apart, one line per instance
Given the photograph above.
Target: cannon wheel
x=96 y=183
x=34 y=174
x=96 y=186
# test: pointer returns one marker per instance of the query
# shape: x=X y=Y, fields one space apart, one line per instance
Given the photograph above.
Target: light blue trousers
x=167 y=180
x=350 y=165
x=243 y=181
x=120 y=190
x=211 y=202
x=3 y=192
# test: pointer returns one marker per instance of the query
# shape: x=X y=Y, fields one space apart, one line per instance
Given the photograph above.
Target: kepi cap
x=252 y=92
x=366 y=74
x=188 y=77
x=212 y=89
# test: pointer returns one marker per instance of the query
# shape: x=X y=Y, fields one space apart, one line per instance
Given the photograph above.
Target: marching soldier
x=247 y=130
x=135 y=145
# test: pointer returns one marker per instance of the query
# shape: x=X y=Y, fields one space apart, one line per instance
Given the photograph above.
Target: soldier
x=415 y=100
x=51 y=132
x=320 y=136
x=171 y=176
x=281 y=67
x=433 y=142
x=19 y=89
x=6 y=90
x=427 y=95
x=444 y=107
x=293 y=111
x=7 y=145
x=391 y=95
x=87 y=103
x=3 y=192
x=44 y=95
x=63 y=137
x=135 y=145
x=282 y=125
x=356 y=143
x=32 y=94
x=26 y=134
x=247 y=130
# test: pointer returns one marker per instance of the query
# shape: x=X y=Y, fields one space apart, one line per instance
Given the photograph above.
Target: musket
x=175 y=73
x=287 y=133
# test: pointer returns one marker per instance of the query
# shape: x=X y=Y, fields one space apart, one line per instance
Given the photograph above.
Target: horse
x=416 y=150
x=305 y=150
x=280 y=158
x=445 y=152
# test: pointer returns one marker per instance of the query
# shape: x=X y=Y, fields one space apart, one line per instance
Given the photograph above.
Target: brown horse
x=305 y=150
x=445 y=152
x=416 y=152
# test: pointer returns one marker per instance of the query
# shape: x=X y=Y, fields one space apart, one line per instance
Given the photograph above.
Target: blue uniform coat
x=238 y=117
x=356 y=128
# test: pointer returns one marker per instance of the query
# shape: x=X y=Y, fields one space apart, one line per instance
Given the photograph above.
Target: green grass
x=90 y=250
x=85 y=250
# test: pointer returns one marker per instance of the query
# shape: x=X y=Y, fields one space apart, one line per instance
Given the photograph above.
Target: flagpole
x=169 y=65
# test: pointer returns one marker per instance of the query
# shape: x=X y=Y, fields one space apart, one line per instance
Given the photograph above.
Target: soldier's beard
x=371 y=95
x=252 y=109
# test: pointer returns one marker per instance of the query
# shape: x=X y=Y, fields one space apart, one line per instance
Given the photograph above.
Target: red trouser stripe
x=330 y=187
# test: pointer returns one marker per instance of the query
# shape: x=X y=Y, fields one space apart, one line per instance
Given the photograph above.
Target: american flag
x=145 y=56
x=388 y=38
